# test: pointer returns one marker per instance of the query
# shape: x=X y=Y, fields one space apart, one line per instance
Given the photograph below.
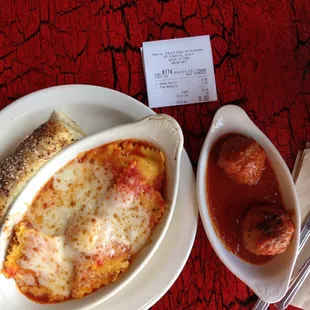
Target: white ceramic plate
x=269 y=281
x=96 y=109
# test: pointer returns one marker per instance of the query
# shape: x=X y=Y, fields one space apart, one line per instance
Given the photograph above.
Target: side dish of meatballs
x=267 y=229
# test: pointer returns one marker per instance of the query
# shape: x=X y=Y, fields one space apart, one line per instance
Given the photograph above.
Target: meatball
x=267 y=230
x=242 y=159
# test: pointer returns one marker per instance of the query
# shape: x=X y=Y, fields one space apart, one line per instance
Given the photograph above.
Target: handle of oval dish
x=230 y=111
x=166 y=130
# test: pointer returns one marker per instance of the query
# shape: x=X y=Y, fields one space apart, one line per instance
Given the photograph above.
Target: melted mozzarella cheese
x=75 y=189
x=135 y=222
x=28 y=279
x=124 y=212
x=64 y=178
x=83 y=232
x=121 y=221
x=82 y=211
x=50 y=259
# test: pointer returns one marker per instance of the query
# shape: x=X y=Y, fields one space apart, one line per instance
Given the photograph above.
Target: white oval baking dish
x=269 y=281
x=162 y=131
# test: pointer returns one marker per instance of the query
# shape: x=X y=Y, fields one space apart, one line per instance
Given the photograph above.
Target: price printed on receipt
x=179 y=71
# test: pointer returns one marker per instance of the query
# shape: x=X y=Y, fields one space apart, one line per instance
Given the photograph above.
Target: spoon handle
x=304 y=235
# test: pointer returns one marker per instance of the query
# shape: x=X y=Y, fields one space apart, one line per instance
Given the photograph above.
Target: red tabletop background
x=261 y=52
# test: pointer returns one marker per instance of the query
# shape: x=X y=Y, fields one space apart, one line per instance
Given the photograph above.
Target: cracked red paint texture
x=261 y=55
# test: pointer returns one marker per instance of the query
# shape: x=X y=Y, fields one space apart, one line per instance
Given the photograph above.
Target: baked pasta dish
x=87 y=222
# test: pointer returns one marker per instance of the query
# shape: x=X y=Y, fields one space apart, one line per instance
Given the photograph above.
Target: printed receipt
x=179 y=71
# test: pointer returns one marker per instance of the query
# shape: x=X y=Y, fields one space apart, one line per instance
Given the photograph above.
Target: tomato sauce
x=229 y=201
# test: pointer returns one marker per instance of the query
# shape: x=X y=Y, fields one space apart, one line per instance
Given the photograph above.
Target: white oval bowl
x=268 y=281
x=160 y=130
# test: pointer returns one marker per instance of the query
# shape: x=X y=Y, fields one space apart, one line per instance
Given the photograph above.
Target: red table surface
x=261 y=59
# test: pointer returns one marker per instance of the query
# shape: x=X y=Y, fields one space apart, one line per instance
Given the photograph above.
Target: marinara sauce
x=228 y=202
